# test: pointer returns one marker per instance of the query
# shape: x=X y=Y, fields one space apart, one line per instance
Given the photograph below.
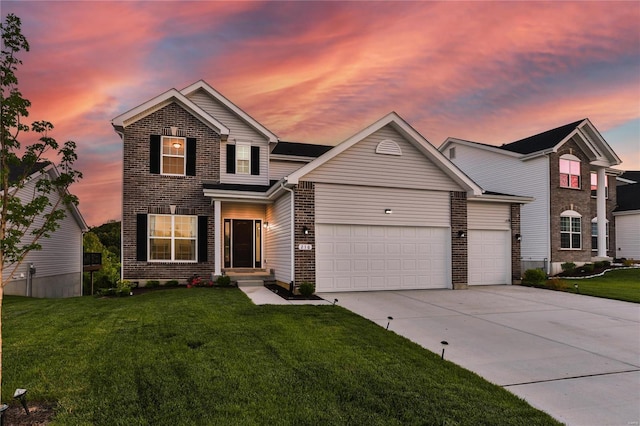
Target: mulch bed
x=40 y=413
x=286 y=294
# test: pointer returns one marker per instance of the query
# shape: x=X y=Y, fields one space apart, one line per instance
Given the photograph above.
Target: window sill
x=569 y=187
x=570 y=249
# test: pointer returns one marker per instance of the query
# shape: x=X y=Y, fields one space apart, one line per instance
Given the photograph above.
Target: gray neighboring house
x=56 y=269
x=627 y=216
x=209 y=190
x=568 y=170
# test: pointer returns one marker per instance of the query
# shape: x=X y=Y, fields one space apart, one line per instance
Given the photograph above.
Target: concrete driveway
x=574 y=357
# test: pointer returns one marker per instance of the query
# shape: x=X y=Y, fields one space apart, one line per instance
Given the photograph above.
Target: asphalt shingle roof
x=631 y=175
x=17 y=171
x=300 y=149
x=628 y=197
x=541 y=141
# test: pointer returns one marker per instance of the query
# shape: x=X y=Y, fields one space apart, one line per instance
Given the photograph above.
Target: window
x=570 y=230
x=594 y=185
x=243 y=159
x=172 y=238
x=594 y=235
x=569 y=171
x=173 y=158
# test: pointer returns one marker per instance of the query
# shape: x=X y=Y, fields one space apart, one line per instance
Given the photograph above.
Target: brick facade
x=304 y=205
x=578 y=200
x=459 y=245
x=144 y=192
x=516 y=261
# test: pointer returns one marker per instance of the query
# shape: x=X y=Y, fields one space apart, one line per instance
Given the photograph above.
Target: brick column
x=516 y=257
x=459 y=252
x=305 y=260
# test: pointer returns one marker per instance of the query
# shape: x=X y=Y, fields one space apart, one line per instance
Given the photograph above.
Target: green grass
x=620 y=285
x=209 y=356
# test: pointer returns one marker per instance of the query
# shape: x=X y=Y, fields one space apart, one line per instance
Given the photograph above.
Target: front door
x=242 y=243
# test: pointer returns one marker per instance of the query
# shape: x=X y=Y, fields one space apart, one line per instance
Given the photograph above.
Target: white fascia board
x=627 y=213
x=283 y=157
x=495 y=149
x=166 y=98
x=592 y=148
x=239 y=196
x=494 y=198
x=201 y=84
x=602 y=143
x=410 y=134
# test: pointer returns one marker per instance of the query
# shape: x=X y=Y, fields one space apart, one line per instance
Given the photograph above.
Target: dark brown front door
x=242 y=243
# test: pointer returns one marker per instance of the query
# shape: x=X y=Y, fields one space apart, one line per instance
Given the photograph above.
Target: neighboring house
x=56 y=269
x=568 y=172
x=209 y=190
x=627 y=216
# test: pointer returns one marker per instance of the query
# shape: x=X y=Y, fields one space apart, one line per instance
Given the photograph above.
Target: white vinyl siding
x=627 y=232
x=488 y=216
x=246 y=179
x=360 y=165
x=279 y=169
x=278 y=238
x=506 y=174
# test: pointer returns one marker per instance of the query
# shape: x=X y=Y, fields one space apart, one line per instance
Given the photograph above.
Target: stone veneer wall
x=143 y=191
x=305 y=260
x=459 y=250
x=516 y=257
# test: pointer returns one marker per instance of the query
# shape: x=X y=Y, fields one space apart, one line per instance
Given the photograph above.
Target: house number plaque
x=305 y=247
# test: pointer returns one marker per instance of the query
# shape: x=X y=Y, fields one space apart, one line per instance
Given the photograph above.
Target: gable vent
x=388 y=147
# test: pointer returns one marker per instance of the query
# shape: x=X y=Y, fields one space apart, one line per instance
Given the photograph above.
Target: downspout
x=293 y=233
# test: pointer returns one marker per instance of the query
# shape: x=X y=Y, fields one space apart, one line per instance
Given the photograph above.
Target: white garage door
x=489 y=257
x=369 y=257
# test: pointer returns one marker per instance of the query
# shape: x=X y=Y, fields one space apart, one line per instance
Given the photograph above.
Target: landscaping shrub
x=534 y=277
x=557 y=284
x=568 y=267
x=172 y=283
x=223 y=281
x=587 y=267
x=307 y=289
x=628 y=262
x=152 y=284
x=599 y=264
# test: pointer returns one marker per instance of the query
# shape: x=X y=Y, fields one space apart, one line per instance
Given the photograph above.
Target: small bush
x=307 y=289
x=534 y=277
x=568 y=266
x=599 y=264
x=587 y=267
x=223 y=281
x=557 y=284
x=628 y=262
x=606 y=263
x=172 y=283
x=152 y=284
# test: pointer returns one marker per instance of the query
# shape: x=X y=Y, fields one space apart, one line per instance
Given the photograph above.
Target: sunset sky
x=318 y=72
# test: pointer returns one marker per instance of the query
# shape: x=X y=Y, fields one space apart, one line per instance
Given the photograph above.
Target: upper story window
x=173 y=155
x=172 y=238
x=594 y=185
x=594 y=234
x=570 y=230
x=570 y=171
x=243 y=159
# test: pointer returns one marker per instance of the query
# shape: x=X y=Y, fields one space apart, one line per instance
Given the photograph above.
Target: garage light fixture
x=305 y=230
x=388 y=211
x=518 y=237
x=462 y=234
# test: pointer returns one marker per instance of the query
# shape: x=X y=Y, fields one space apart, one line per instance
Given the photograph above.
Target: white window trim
x=571 y=214
x=173 y=238
x=595 y=221
x=606 y=185
x=248 y=146
x=570 y=157
x=184 y=156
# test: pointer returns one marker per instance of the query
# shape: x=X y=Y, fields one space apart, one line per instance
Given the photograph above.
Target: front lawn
x=621 y=284
x=209 y=356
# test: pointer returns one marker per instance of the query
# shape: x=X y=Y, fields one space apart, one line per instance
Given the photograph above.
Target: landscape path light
x=444 y=344
x=3 y=408
x=334 y=302
x=21 y=395
x=389 y=321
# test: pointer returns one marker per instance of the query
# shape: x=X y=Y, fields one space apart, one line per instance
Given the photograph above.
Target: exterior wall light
x=266 y=225
x=172 y=208
x=388 y=211
x=305 y=230
x=518 y=237
x=462 y=234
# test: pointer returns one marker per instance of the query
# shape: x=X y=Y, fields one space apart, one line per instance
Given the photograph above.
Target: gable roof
x=633 y=175
x=203 y=85
x=628 y=197
x=542 y=141
x=410 y=134
x=162 y=100
x=16 y=172
x=298 y=149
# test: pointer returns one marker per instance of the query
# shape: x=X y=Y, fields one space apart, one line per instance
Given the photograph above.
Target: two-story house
x=209 y=190
x=568 y=172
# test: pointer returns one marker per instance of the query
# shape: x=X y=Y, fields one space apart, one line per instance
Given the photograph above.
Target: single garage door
x=489 y=257
x=375 y=257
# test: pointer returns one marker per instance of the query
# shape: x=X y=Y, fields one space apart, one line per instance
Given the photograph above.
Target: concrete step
x=250 y=283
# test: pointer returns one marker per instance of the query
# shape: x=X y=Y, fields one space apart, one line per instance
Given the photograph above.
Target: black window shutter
x=141 y=237
x=154 y=154
x=255 y=160
x=231 y=159
x=202 y=238
x=191 y=157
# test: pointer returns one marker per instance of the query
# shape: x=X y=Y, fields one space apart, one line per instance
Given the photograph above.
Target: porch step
x=250 y=283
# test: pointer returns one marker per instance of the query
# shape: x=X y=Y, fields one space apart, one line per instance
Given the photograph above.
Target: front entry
x=242 y=243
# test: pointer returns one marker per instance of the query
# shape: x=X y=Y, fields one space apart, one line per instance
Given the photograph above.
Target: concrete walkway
x=574 y=357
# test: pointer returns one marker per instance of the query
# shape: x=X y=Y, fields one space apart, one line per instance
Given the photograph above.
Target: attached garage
x=489 y=243
x=408 y=248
